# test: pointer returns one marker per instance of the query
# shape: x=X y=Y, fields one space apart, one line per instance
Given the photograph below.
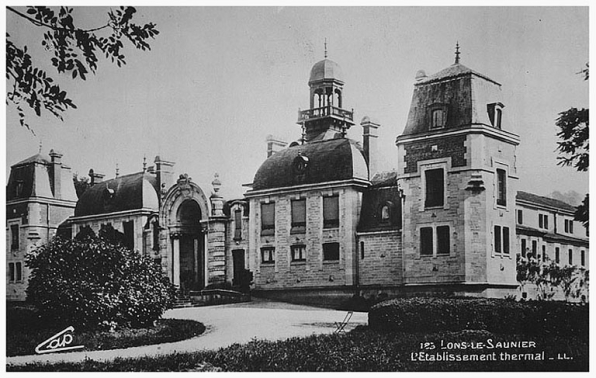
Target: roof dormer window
x=495 y=114
x=438 y=116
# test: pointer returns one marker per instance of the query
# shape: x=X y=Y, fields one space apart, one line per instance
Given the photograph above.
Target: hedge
x=495 y=315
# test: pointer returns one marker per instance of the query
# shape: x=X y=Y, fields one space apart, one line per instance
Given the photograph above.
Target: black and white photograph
x=297 y=187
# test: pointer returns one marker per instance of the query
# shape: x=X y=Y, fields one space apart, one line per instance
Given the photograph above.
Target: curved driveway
x=226 y=325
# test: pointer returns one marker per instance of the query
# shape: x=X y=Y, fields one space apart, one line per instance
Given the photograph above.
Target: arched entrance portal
x=191 y=249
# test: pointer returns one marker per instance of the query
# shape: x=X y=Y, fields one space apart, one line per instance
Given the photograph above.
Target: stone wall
x=380 y=258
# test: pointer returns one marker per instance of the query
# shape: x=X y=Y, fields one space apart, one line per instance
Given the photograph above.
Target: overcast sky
x=217 y=81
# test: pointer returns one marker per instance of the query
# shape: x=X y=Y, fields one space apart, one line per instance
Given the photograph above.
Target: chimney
x=56 y=173
x=95 y=178
x=274 y=145
x=165 y=174
x=369 y=134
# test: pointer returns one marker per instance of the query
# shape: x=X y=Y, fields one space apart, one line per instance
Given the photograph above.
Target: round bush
x=90 y=282
x=494 y=315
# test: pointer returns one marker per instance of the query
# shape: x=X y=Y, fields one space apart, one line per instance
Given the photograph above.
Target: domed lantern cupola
x=326 y=102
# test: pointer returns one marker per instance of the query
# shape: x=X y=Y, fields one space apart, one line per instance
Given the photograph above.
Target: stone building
x=319 y=217
x=40 y=195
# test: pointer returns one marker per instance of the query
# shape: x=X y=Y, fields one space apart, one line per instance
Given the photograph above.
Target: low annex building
x=319 y=217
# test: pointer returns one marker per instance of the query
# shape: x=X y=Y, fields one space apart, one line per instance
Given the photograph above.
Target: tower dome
x=326 y=69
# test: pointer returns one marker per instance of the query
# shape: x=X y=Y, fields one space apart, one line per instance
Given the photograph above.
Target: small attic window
x=495 y=114
x=438 y=116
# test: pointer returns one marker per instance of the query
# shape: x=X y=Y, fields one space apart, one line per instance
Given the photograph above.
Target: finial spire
x=117 y=170
x=144 y=163
x=457 y=53
x=40 y=145
x=325 y=48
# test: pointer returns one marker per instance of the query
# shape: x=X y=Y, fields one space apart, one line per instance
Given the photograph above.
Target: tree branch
x=39 y=23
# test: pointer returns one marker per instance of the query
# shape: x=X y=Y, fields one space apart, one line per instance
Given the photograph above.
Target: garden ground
x=226 y=325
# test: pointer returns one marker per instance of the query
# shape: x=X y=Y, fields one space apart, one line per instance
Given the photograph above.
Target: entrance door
x=191 y=277
x=238 y=265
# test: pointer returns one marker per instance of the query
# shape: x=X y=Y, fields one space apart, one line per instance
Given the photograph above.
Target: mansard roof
x=544 y=201
x=129 y=192
x=326 y=161
x=451 y=72
x=383 y=192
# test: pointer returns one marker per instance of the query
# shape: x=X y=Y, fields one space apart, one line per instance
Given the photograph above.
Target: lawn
x=360 y=350
x=24 y=331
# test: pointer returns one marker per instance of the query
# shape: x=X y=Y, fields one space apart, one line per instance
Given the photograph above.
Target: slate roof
x=328 y=160
x=37 y=158
x=544 y=201
x=129 y=192
x=453 y=71
x=373 y=200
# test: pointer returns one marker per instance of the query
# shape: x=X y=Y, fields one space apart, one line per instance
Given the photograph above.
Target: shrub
x=90 y=282
x=495 y=315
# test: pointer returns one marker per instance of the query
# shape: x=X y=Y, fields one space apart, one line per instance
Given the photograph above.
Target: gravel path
x=226 y=325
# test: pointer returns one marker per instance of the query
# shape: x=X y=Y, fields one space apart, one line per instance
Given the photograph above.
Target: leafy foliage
x=494 y=315
x=574 y=132
x=90 y=282
x=75 y=52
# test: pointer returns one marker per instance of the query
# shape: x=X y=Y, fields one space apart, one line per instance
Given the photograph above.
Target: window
x=155 y=236
x=361 y=250
x=543 y=253
x=238 y=225
x=331 y=212
x=298 y=216
x=268 y=255
x=427 y=244
x=435 y=187
x=498 y=239
x=331 y=251
x=506 y=240
x=385 y=214
x=19 y=271
x=534 y=249
x=571 y=257
x=501 y=187
x=582 y=256
x=14 y=233
x=438 y=119
x=557 y=255
x=426 y=241
x=298 y=253
x=19 y=188
x=129 y=236
x=443 y=243
x=520 y=217
x=543 y=221
x=268 y=218
x=495 y=114
x=11 y=272
x=523 y=247
x=569 y=226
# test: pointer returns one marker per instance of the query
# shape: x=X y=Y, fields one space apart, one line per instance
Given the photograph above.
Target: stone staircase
x=210 y=297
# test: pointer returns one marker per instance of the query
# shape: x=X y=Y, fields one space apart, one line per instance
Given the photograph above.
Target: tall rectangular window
x=298 y=252
x=438 y=119
x=268 y=218
x=582 y=256
x=443 y=243
x=534 y=249
x=546 y=221
x=520 y=216
x=501 y=187
x=426 y=241
x=129 y=235
x=498 y=239
x=19 y=271
x=298 y=216
x=14 y=236
x=506 y=240
x=543 y=252
x=331 y=212
x=523 y=247
x=238 y=225
x=268 y=255
x=330 y=251
x=571 y=257
x=435 y=187
x=557 y=255
x=571 y=226
x=540 y=221
x=11 y=272
x=361 y=250
x=566 y=225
